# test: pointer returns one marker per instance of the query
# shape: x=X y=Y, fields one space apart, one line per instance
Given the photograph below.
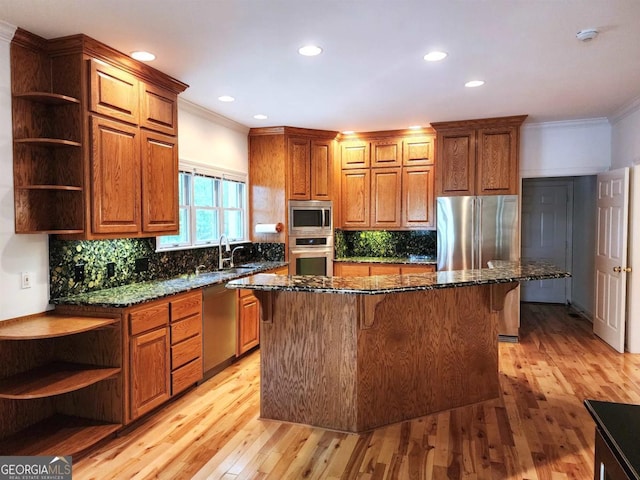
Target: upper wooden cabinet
x=478 y=157
x=287 y=163
x=396 y=191
x=95 y=147
x=310 y=168
x=354 y=154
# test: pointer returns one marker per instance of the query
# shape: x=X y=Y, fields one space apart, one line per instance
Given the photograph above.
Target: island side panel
x=308 y=358
x=424 y=352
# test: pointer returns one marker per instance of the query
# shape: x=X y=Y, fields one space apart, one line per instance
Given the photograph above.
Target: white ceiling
x=371 y=75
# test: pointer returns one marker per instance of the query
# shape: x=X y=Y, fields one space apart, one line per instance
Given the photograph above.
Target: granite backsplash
x=384 y=243
x=64 y=255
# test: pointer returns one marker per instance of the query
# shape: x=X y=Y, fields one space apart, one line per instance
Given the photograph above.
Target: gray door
x=546 y=235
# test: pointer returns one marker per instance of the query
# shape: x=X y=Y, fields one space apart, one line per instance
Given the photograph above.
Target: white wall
x=560 y=149
x=18 y=253
x=206 y=137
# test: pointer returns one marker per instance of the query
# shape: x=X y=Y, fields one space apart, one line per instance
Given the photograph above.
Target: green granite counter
x=135 y=293
x=502 y=272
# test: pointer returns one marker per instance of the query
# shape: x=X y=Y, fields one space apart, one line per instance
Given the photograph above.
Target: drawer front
x=186 y=328
x=186 y=376
x=186 y=351
x=186 y=305
x=149 y=318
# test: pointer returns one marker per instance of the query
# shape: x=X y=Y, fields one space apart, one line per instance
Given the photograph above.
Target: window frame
x=193 y=169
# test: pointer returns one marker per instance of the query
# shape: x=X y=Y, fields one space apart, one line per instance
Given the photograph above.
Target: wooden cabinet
x=61 y=383
x=355 y=198
x=418 y=197
x=159 y=170
x=186 y=340
x=87 y=128
x=606 y=464
x=287 y=163
x=386 y=153
x=248 y=322
x=149 y=349
x=354 y=154
x=249 y=317
x=478 y=157
x=346 y=269
x=400 y=194
x=310 y=168
x=386 y=196
x=115 y=177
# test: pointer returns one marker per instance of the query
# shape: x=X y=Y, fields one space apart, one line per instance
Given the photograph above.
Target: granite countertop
x=135 y=293
x=619 y=424
x=410 y=260
x=502 y=272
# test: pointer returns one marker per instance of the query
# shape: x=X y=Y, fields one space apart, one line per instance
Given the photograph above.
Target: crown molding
x=583 y=122
x=7 y=31
x=624 y=111
x=212 y=116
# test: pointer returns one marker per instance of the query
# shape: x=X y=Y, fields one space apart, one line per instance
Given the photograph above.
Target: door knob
x=622 y=269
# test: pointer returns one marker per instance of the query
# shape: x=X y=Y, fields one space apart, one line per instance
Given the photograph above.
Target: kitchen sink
x=238 y=270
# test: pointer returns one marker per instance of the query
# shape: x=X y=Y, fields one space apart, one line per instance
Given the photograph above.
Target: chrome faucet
x=239 y=247
x=198 y=268
x=221 y=259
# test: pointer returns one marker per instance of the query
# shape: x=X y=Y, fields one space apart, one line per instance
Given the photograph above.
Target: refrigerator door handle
x=478 y=260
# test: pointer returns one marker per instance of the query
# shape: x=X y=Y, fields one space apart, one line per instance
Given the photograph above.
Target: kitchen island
x=357 y=353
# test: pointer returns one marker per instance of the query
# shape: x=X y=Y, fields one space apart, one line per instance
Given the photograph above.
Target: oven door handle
x=326 y=217
x=315 y=251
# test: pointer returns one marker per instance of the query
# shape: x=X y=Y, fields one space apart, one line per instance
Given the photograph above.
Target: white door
x=611 y=257
x=546 y=232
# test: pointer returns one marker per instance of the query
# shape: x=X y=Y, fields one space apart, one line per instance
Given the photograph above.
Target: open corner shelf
x=48 y=142
x=49 y=326
x=53 y=379
x=58 y=435
x=49 y=98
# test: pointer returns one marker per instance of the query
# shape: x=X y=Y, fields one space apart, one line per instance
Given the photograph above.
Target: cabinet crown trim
x=513 y=121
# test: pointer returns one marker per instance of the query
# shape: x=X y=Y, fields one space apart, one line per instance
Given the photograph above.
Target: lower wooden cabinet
x=248 y=322
x=149 y=374
x=165 y=348
x=248 y=317
x=345 y=269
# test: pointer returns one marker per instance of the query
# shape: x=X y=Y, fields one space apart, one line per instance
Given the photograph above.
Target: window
x=211 y=203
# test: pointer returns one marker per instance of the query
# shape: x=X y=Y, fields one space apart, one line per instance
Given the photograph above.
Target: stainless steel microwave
x=310 y=217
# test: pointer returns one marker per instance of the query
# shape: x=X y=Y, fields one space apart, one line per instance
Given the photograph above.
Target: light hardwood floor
x=538 y=429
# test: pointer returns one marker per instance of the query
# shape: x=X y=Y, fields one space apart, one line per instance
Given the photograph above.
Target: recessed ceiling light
x=435 y=56
x=415 y=127
x=310 y=50
x=260 y=116
x=226 y=98
x=348 y=132
x=474 y=83
x=143 y=56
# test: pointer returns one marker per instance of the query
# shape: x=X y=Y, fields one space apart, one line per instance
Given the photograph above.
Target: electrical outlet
x=26 y=279
x=142 y=265
x=111 y=269
x=78 y=272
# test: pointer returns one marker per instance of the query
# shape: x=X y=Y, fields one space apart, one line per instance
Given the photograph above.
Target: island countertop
x=501 y=272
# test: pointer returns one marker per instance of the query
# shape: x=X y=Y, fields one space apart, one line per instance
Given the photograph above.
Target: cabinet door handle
x=603 y=473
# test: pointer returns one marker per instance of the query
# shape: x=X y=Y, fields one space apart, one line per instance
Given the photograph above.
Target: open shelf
x=58 y=435
x=46 y=97
x=50 y=187
x=53 y=379
x=49 y=326
x=48 y=142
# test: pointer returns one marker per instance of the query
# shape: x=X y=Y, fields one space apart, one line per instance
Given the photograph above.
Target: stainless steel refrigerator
x=475 y=230
x=472 y=231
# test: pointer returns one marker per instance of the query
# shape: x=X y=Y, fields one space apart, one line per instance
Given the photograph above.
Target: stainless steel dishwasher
x=218 y=329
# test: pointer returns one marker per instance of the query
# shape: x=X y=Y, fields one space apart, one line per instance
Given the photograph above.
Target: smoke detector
x=587 y=34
